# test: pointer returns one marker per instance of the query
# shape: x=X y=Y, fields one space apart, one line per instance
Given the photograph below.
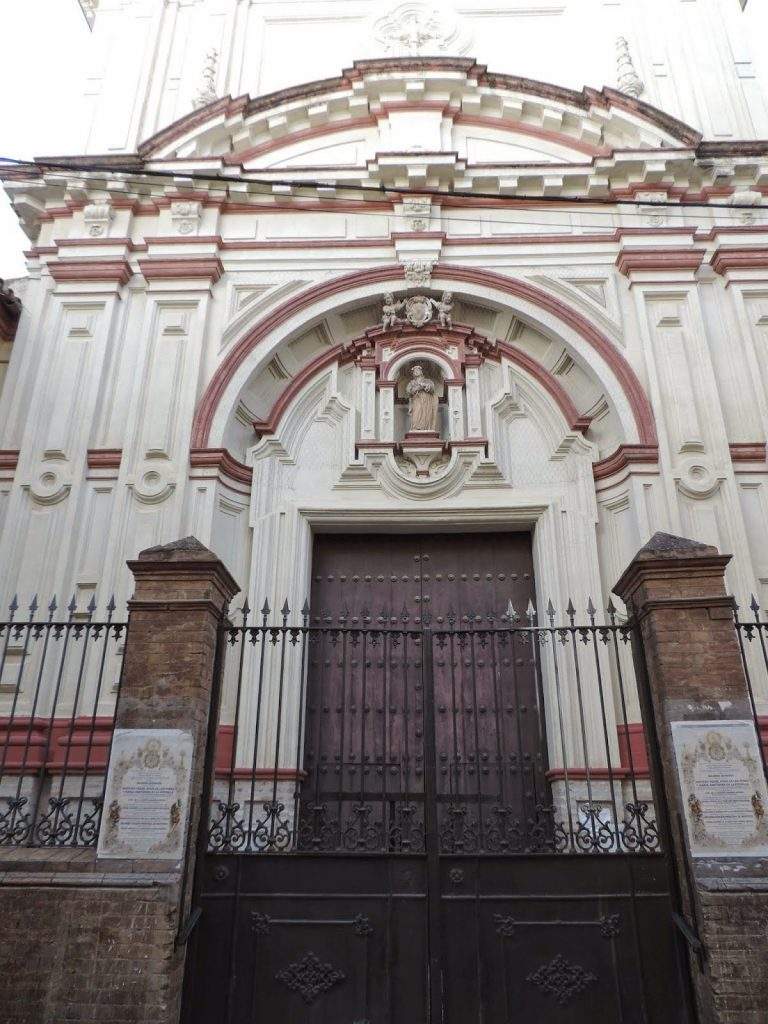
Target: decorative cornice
x=738 y=257
x=625 y=456
x=110 y=271
x=662 y=258
x=748 y=451
x=204 y=268
x=9 y=458
x=104 y=458
x=222 y=461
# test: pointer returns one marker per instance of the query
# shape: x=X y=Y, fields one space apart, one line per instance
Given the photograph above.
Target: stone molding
x=632 y=261
x=108 y=271
x=625 y=456
x=625 y=376
x=204 y=268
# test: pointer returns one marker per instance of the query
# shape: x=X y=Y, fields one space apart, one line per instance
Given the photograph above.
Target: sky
x=41 y=82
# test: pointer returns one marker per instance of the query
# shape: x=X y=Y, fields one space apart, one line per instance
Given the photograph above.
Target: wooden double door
x=421 y=695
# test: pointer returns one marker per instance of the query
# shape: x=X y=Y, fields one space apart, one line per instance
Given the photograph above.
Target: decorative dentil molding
x=420 y=28
x=627 y=78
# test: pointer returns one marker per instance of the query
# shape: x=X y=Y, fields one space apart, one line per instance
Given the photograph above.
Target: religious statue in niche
x=422 y=401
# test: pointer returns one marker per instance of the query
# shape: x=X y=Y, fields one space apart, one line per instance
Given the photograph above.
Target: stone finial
x=188 y=547
x=207 y=91
x=627 y=78
x=666 y=545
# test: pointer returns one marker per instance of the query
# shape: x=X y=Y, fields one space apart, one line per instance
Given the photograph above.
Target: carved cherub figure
x=444 y=308
x=389 y=311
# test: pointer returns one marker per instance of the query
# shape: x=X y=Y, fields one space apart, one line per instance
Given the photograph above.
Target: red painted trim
x=290 y=139
x=735 y=257
x=205 y=268
x=748 y=451
x=628 y=381
x=39 y=743
x=658 y=258
x=519 y=128
x=605 y=99
x=269 y=425
x=624 y=456
x=572 y=417
x=114 y=271
x=104 y=458
x=221 y=460
x=9 y=458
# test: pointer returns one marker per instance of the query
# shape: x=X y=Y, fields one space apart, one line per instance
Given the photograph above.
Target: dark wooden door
x=366 y=743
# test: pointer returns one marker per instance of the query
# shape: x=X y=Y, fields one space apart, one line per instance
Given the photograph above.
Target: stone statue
x=444 y=308
x=389 y=311
x=422 y=404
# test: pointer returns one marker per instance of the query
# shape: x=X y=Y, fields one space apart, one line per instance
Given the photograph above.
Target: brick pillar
x=169 y=674
x=675 y=590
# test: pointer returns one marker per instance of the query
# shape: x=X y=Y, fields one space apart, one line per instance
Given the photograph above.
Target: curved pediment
x=383 y=108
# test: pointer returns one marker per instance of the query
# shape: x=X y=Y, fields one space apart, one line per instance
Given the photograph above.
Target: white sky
x=45 y=50
x=41 y=81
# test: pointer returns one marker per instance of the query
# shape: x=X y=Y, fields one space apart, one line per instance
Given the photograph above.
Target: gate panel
x=421 y=808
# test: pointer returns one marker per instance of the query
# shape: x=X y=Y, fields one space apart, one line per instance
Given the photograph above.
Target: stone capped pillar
x=675 y=590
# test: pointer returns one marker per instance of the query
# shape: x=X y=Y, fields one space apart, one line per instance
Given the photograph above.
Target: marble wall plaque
x=146 y=802
x=723 y=787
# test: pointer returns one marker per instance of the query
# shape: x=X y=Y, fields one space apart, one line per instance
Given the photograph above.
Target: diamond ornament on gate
x=561 y=979
x=310 y=977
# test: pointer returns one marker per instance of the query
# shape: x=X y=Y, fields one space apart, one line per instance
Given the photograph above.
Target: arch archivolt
x=542 y=311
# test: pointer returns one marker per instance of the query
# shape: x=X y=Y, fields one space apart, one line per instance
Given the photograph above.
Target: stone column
x=675 y=590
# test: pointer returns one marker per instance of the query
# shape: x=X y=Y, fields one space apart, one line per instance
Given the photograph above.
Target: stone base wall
x=736 y=924
x=83 y=946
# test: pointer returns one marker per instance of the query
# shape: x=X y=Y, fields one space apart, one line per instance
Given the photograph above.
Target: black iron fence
x=502 y=736
x=753 y=644
x=59 y=679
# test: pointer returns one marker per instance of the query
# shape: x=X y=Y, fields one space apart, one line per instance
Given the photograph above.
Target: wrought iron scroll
x=322 y=747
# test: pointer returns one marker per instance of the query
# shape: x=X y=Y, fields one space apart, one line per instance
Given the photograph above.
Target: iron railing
x=58 y=689
x=753 y=644
x=501 y=736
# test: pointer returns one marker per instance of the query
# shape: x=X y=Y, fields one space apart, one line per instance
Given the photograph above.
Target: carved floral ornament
x=421 y=28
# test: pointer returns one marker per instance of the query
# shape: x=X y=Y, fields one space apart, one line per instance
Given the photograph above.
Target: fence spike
x=570 y=611
x=245 y=610
x=52 y=606
x=305 y=611
x=611 y=607
x=754 y=606
x=530 y=611
x=13 y=607
x=72 y=606
x=265 y=610
x=591 y=611
x=92 y=604
x=33 y=606
x=512 y=613
x=285 y=611
x=112 y=605
x=551 y=612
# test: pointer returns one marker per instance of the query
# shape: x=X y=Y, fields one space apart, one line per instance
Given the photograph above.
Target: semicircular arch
x=532 y=304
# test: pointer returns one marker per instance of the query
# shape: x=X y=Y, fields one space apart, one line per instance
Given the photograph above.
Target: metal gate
x=429 y=804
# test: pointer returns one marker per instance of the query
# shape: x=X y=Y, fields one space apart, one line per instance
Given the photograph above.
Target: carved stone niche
x=450 y=358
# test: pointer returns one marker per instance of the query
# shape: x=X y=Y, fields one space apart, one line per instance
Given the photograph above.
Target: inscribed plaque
x=146 y=802
x=723 y=787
